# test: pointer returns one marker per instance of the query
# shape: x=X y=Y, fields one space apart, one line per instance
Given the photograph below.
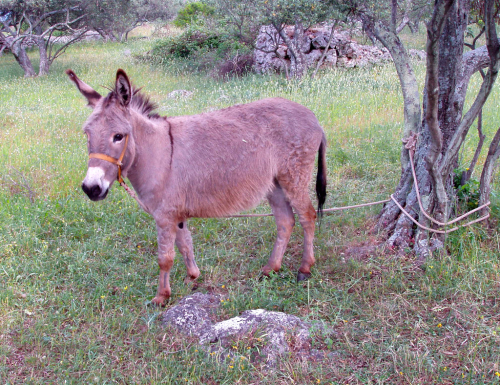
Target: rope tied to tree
x=410 y=144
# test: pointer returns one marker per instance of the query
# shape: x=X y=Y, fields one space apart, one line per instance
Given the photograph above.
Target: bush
x=236 y=66
x=188 y=43
x=193 y=13
x=203 y=49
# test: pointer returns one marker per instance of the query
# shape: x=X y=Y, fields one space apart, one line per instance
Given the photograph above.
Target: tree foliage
x=193 y=13
x=114 y=19
x=36 y=23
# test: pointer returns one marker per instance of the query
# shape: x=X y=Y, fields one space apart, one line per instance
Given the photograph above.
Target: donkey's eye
x=117 y=137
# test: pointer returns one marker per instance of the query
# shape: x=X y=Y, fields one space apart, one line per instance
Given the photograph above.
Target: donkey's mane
x=139 y=102
x=144 y=104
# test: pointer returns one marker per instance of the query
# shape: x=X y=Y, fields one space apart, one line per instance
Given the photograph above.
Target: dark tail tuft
x=321 y=177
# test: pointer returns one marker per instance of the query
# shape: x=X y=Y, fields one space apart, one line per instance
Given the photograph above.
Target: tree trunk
x=22 y=58
x=489 y=167
x=42 y=49
x=107 y=35
x=298 y=65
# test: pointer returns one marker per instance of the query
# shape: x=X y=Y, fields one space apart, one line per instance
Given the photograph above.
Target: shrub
x=238 y=65
x=186 y=44
x=201 y=49
x=193 y=13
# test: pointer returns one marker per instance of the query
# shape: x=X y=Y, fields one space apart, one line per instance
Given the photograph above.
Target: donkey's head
x=109 y=135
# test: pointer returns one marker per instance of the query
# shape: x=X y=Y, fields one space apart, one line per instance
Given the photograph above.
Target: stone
x=180 y=94
x=282 y=333
x=319 y=41
x=192 y=316
x=313 y=57
x=417 y=54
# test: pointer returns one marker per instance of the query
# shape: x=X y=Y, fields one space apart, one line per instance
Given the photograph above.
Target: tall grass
x=76 y=276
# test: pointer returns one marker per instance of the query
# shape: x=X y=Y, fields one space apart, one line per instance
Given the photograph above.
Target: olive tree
x=436 y=122
x=43 y=24
x=35 y=23
x=115 y=19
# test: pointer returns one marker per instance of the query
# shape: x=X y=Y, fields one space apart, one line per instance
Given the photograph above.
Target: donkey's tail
x=321 y=177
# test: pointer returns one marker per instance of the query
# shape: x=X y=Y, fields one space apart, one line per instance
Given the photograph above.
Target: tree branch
x=468 y=172
x=330 y=38
x=489 y=166
x=407 y=78
x=474 y=41
x=66 y=24
x=63 y=48
x=493 y=48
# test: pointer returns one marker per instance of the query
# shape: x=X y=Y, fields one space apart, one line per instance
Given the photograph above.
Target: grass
x=76 y=276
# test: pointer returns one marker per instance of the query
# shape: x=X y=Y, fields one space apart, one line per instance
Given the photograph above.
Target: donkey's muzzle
x=94 y=192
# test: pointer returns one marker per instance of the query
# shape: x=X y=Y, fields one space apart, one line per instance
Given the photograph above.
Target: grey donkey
x=209 y=165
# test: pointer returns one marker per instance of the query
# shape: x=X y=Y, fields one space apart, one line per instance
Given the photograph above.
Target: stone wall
x=343 y=51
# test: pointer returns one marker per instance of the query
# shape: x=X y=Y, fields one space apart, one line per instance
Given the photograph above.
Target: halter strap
x=115 y=161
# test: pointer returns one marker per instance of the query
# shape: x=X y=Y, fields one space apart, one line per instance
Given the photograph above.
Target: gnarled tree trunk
x=21 y=56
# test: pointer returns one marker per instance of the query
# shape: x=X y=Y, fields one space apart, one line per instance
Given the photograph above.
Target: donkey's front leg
x=166 y=254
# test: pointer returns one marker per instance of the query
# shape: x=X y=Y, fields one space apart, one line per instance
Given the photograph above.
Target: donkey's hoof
x=303 y=276
x=159 y=300
x=190 y=279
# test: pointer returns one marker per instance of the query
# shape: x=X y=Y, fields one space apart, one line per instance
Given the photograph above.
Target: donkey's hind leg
x=184 y=243
x=307 y=217
x=285 y=221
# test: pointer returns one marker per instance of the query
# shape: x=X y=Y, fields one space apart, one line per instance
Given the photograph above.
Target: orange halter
x=108 y=158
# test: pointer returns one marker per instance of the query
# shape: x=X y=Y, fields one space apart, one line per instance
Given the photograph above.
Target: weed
x=468 y=193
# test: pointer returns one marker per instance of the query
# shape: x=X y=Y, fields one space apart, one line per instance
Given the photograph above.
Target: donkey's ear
x=92 y=96
x=123 y=88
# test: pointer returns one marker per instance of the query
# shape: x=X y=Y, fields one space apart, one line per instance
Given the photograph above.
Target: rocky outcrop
x=282 y=333
x=271 y=53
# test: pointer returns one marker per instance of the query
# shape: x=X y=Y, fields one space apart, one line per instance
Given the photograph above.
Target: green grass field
x=76 y=276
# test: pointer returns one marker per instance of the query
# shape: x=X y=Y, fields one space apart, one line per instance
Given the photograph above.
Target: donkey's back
x=228 y=160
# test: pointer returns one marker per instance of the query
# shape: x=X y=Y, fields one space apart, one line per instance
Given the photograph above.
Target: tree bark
x=42 y=50
x=19 y=52
x=488 y=169
x=298 y=66
x=322 y=58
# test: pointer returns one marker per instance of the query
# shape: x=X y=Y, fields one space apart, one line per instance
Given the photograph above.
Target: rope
x=324 y=211
x=434 y=230
x=410 y=145
x=132 y=194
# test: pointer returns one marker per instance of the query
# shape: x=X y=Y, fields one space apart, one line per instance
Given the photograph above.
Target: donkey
x=208 y=165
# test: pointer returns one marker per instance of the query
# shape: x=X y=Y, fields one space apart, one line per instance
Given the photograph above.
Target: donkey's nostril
x=93 y=192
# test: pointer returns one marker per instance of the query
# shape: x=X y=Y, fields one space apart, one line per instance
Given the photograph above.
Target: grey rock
x=282 y=333
x=180 y=94
x=417 y=54
x=192 y=316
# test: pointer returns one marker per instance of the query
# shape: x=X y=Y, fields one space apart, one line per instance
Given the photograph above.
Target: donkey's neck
x=153 y=151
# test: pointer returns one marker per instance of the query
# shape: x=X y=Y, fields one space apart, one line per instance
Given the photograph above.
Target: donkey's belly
x=223 y=199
